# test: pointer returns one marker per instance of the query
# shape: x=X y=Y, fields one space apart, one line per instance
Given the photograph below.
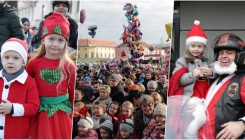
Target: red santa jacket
x=23 y=93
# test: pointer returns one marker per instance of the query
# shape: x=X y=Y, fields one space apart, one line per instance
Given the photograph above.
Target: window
x=97 y=54
x=79 y=56
x=101 y=55
x=118 y=54
x=78 y=5
x=113 y=55
x=105 y=54
x=86 y=55
x=85 y=48
x=92 y=55
x=109 y=55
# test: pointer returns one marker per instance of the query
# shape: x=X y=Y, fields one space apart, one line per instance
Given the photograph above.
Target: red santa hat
x=56 y=24
x=15 y=44
x=196 y=34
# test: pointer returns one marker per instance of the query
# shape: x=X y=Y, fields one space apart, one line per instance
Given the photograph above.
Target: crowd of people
x=123 y=100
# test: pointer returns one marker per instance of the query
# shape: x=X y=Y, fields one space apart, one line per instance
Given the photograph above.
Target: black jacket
x=117 y=94
x=36 y=41
x=139 y=124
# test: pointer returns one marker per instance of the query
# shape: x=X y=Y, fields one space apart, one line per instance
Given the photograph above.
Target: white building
x=36 y=10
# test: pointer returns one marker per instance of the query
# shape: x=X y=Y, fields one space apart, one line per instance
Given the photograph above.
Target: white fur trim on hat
x=87 y=122
x=14 y=46
x=197 y=22
x=196 y=39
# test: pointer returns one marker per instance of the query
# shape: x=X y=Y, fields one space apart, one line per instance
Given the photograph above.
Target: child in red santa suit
x=54 y=73
x=19 y=95
x=195 y=81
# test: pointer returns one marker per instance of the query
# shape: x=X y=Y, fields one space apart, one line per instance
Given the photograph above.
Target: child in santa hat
x=156 y=127
x=19 y=95
x=195 y=81
x=54 y=73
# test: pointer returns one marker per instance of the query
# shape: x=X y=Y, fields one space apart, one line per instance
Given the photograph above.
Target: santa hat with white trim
x=15 y=44
x=196 y=34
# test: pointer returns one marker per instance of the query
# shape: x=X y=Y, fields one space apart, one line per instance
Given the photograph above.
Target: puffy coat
x=10 y=24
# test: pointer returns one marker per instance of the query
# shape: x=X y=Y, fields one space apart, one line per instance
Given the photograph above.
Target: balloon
x=92 y=28
x=82 y=16
x=168 y=28
x=151 y=47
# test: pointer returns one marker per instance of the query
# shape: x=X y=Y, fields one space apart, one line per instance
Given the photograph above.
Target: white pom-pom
x=196 y=22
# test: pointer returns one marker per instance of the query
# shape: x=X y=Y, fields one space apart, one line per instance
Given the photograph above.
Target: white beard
x=225 y=70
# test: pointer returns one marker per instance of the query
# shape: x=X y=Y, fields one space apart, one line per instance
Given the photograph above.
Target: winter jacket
x=139 y=124
x=10 y=24
x=117 y=93
x=188 y=80
x=154 y=130
x=36 y=41
x=91 y=135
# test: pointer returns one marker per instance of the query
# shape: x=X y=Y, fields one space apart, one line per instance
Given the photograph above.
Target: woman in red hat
x=54 y=73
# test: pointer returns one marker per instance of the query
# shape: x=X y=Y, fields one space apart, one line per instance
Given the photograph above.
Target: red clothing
x=23 y=93
x=154 y=130
x=59 y=125
x=91 y=135
x=200 y=89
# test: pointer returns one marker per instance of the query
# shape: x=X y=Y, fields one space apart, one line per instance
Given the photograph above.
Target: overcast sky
x=109 y=18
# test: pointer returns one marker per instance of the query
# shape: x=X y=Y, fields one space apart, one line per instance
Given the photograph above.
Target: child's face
x=82 y=130
x=124 y=134
x=104 y=134
x=160 y=118
x=12 y=62
x=196 y=48
x=54 y=45
x=87 y=84
x=103 y=94
x=98 y=111
x=126 y=111
x=157 y=99
x=113 y=109
x=78 y=95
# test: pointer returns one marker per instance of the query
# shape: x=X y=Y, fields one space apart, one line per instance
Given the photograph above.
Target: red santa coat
x=23 y=93
x=212 y=98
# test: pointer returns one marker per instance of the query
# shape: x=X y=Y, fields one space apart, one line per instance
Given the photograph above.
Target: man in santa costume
x=225 y=100
x=19 y=97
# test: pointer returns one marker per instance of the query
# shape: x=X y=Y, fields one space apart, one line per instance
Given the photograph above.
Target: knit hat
x=160 y=109
x=87 y=122
x=196 y=34
x=87 y=79
x=127 y=126
x=115 y=77
x=24 y=20
x=15 y=44
x=108 y=126
x=51 y=26
x=104 y=118
x=62 y=1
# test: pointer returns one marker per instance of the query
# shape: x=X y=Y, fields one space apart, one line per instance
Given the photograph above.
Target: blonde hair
x=155 y=95
x=129 y=81
x=64 y=71
x=106 y=88
x=100 y=103
x=130 y=106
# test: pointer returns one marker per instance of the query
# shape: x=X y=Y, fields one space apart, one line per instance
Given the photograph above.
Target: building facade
x=95 y=50
x=36 y=10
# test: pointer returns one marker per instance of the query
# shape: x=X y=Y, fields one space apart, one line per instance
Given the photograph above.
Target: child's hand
x=206 y=71
x=197 y=72
x=5 y=107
